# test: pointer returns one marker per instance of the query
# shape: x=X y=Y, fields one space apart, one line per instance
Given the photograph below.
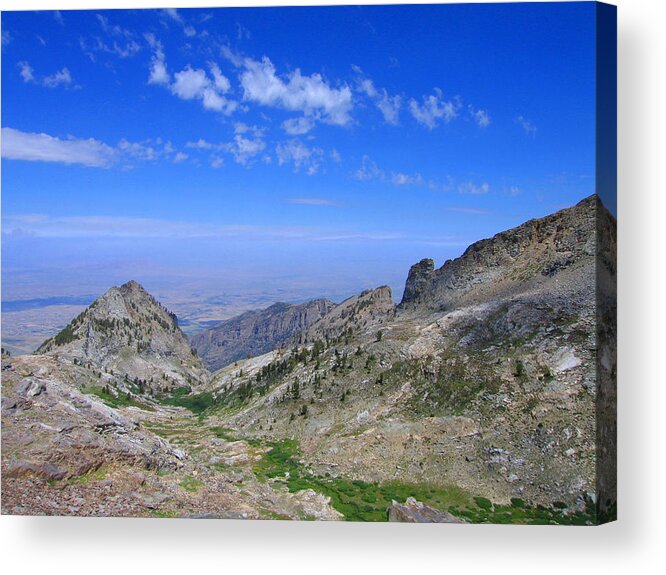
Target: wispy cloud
x=247 y=144
x=61 y=77
x=245 y=149
x=298 y=126
x=299 y=155
x=481 y=117
x=210 y=87
x=400 y=179
x=368 y=171
x=116 y=40
x=311 y=202
x=158 y=68
x=434 y=109
x=388 y=105
x=40 y=147
x=26 y=71
x=527 y=125
x=19 y=226
x=473 y=188
x=471 y=211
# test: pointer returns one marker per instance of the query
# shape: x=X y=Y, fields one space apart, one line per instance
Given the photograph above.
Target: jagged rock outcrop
x=413 y=511
x=127 y=332
x=361 y=313
x=257 y=332
x=519 y=259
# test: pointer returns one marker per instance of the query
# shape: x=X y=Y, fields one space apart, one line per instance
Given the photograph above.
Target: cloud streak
x=19 y=226
x=40 y=147
x=17 y=145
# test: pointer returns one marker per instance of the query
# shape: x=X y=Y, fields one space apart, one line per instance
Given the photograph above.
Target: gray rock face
x=529 y=255
x=257 y=332
x=419 y=276
x=413 y=511
x=127 y=332
x=361 y=313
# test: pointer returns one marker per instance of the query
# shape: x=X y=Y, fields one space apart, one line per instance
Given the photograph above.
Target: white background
x=636 y=543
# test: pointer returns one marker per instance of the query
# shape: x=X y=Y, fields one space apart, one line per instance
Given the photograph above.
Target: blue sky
x=317 y=146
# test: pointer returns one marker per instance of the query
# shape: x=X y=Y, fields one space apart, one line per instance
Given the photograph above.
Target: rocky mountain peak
x=127 y=331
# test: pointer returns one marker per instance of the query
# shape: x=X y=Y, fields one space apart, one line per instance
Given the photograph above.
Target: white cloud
x=6 y=37
x=17 y=145
x=298 y=126
x=434 y=109
x=200 y=144
x=481 y=117
x=123 y=41
x=311 y=95
x=399 y=179
x=189 y=84
x=192 y=83
x=527 y=125
x=474 y=189
x=158 y=69
x=221 y=81
x=190 y=31
x=245 y=149
x=58 y=78
x=368 y=171
x=301 y=156
x=335 y=156
x=245 y=146
x=471 y=211
x=173 y=14
x=388 y=105
x=180 y=157
x=140 y=150
x=311 y=201
x=61 y=77
x=26 y=71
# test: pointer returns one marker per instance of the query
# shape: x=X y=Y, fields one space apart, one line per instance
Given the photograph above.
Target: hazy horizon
x=235 y=153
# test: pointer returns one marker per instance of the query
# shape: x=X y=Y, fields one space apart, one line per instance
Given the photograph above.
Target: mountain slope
x=126 y=331
x=256 y=332
x=517 y=260
x=486 y=376
x=364 y=312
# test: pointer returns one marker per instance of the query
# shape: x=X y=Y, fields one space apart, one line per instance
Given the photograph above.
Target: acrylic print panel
x=334 y=263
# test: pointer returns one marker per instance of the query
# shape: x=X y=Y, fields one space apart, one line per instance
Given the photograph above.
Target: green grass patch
x=197 y=403
x=97 y=475
x=367 y=501
x=121 y=400
x=191 y=484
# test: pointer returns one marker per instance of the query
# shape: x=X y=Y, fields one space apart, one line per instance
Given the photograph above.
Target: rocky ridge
x=257 y=332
